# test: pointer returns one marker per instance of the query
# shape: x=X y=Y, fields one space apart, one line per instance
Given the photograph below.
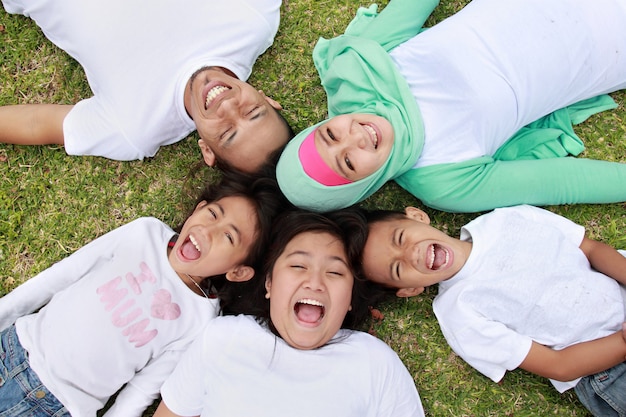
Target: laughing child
x=521 y=288
x=297 y=350
x=120 y=311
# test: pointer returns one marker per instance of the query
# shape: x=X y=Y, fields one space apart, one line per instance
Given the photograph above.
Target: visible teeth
x=431 y=259
x=311 y=302
x=195 y=243
x=372 y=133
x=214 y=92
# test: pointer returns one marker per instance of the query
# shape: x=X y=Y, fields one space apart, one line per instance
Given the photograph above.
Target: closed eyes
x=397 y=271
x=252 y=113
x=225 y=133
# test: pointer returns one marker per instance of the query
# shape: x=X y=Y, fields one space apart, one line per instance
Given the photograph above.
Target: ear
x=240 y=273
x=414 y=213
x=409 y=292
x=268 y=286
x=200 y=205
x=207 y=153
x=271 y=101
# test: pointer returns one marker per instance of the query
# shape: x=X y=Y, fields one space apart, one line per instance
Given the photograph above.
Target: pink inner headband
x=314 y=165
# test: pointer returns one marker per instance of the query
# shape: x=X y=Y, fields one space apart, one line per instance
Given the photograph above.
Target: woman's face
x=310 y=290
x=355 y=145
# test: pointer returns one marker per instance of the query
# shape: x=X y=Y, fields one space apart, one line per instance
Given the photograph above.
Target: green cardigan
x=359 y=77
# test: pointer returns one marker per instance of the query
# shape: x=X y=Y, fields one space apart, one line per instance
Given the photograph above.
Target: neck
x=193 y=283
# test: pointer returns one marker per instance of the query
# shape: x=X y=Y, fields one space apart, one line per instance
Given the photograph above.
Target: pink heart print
x=162 y=306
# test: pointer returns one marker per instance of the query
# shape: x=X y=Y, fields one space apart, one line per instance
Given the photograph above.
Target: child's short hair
x=378 y=216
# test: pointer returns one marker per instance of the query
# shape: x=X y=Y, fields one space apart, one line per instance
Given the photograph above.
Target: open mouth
x=309 y=311
x=190 y=250
x=438 y=257
x=373 y=135
x=213 y=93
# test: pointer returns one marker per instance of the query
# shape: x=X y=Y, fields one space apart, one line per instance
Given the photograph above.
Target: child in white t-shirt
x=294 y=353
x=120 y=311
x=521 y=287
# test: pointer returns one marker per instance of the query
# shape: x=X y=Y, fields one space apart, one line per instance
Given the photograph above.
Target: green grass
x=52 y=204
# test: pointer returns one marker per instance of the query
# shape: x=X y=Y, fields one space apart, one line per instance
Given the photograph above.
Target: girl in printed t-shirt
x=120 y=311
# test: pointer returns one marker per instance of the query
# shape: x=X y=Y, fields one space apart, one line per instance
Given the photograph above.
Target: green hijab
x=359 y=77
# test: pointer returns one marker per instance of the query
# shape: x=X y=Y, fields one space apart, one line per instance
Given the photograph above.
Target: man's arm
x=33 y=124
x=604 y=258
x=578 y=360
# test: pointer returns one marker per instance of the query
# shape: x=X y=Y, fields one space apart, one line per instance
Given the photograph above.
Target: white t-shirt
x=116 y=313
x=478 y=79
x=526 y=279
x=138 y=55
x=238 y=368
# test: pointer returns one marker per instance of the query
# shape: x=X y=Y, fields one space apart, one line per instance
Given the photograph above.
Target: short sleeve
x=90 y=130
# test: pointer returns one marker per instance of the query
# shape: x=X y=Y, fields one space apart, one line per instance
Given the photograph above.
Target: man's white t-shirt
x=138 y=56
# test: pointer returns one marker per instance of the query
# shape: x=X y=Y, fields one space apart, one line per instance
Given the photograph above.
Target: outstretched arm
x=400 y=20
x=33 y=124
x=484 y=183
x=578 y=360
x=37 y=291
x=605 y=259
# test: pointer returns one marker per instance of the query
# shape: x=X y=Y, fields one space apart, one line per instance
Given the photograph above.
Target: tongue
x=440 y=257
x=189 y=250
x=308 y=313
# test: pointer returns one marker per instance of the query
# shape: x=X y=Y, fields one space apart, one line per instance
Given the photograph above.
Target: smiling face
x=216 y=238
x=235 y=122
x=409 y=254
x=355 y=145
x=310 y=290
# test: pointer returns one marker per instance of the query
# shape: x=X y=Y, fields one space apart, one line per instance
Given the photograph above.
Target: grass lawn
x=52 y=204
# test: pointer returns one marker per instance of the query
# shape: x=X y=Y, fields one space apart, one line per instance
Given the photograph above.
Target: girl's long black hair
x=348 y=225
